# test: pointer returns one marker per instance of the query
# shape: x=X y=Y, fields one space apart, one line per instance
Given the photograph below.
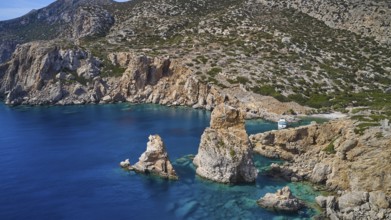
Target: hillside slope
x=254 y=46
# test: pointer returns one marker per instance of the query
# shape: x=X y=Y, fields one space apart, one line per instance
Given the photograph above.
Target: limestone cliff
x=225 y=154
x=43 y=73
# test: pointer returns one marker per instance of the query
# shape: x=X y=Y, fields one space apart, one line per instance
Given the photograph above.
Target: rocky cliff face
x=161 y=81
x=225 y=153
x=364 y=17
x=42 y=73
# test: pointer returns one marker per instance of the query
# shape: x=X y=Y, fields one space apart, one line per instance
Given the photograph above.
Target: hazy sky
x=15 y=8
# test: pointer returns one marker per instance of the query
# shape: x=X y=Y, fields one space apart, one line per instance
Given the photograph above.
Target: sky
x=15 y=8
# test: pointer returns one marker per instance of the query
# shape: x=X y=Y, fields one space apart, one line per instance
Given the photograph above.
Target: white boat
x=282 y=123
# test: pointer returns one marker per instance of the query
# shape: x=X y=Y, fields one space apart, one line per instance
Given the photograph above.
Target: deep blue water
x=62 y=163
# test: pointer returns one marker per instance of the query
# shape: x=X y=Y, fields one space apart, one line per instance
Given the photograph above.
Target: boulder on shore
x=282 y=200
x=225 y=153
x=154 y=160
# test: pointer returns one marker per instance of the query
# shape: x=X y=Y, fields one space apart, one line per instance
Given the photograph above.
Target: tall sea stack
x=225 y=153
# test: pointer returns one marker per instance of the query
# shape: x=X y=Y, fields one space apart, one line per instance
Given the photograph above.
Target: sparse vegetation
x=273 y=51
x=330 y=149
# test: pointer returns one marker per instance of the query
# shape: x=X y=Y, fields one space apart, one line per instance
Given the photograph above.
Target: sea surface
x=62 y=163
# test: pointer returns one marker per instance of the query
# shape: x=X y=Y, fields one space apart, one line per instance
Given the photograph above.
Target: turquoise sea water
x=62 y=163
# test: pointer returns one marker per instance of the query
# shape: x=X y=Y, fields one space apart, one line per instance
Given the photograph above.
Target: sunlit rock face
x=225 y=153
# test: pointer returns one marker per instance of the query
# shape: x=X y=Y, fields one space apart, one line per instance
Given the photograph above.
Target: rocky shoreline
x=333 y=155
x=354 y=166
x=41 y=73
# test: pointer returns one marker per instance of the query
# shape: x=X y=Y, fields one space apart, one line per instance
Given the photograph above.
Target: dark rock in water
x=186 y=209
x=282 y=200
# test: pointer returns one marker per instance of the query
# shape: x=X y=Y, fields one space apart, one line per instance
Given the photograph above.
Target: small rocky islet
x=153 y=161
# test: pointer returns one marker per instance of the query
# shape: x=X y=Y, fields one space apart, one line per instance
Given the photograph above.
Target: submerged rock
x=225 y=153
x=186 y=209
x=282 y=200
x=155 y=160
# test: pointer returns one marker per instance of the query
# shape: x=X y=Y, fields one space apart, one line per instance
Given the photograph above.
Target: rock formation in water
x=154 y=160
x=333 y=154
x=282 y=200
x=225 y=153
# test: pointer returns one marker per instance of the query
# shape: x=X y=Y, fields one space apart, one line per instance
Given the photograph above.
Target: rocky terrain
x=62 y=19
x=356 y=205
x=249 y=48
x=225 y=153
x=43 y=73
x=364 y=17
x=154 y=160
x=346 y=156
x=265 y=58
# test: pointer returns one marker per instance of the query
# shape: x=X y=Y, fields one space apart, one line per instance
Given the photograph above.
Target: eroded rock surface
x=154 y=160
x=282 y=200
x=225 y=153
x=333 y=154
x=356 y=205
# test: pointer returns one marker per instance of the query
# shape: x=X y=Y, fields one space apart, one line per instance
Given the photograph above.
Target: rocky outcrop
x=225 y=154
x=282 y=200
x=42 y=73
x=125 y=164
x=333 y=154
x=154 y=160
x=161 y=80
x=368 y=18
x=356 y=205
